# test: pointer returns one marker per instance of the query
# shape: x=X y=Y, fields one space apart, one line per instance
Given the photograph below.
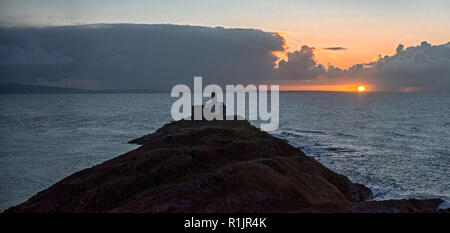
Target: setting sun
x=361 y=88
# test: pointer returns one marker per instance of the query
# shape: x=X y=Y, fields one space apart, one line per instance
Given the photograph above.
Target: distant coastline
x=20 y=88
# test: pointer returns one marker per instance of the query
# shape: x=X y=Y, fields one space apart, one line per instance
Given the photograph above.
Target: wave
x=338 y=149
x=346 y=135
x=330 y=148
x=311 y=131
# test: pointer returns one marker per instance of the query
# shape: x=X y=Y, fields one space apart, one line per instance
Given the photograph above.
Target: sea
x=398 y=144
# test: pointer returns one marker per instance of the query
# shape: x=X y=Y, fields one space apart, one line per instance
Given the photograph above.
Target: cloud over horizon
x=136 y=56
x=300 y=65
x=424 y=67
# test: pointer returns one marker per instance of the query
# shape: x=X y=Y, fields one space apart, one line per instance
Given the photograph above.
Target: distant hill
x=19 y=88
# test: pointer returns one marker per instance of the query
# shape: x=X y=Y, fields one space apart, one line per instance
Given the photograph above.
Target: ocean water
x=398 y=144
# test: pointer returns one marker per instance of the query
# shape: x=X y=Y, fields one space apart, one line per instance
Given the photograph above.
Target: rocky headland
x=212 y=166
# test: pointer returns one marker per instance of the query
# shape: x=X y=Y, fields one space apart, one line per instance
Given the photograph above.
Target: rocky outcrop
x=212 y=166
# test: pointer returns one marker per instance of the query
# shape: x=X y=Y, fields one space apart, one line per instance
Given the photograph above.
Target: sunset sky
x=340 y=32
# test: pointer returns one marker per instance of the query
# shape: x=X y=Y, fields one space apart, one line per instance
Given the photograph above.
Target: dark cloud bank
x=135 y=56
x=159 y=56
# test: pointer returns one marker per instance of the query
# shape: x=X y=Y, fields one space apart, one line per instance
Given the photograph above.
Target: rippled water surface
x=397 y=144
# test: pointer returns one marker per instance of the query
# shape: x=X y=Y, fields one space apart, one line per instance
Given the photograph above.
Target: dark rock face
x=211 y=166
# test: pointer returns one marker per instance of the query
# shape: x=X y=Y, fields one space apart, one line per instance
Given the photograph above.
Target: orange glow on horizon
x=338 y=88
x=361 y=88
x=359 y=46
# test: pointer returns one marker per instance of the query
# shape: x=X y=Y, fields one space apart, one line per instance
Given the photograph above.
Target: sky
x=337 y=34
